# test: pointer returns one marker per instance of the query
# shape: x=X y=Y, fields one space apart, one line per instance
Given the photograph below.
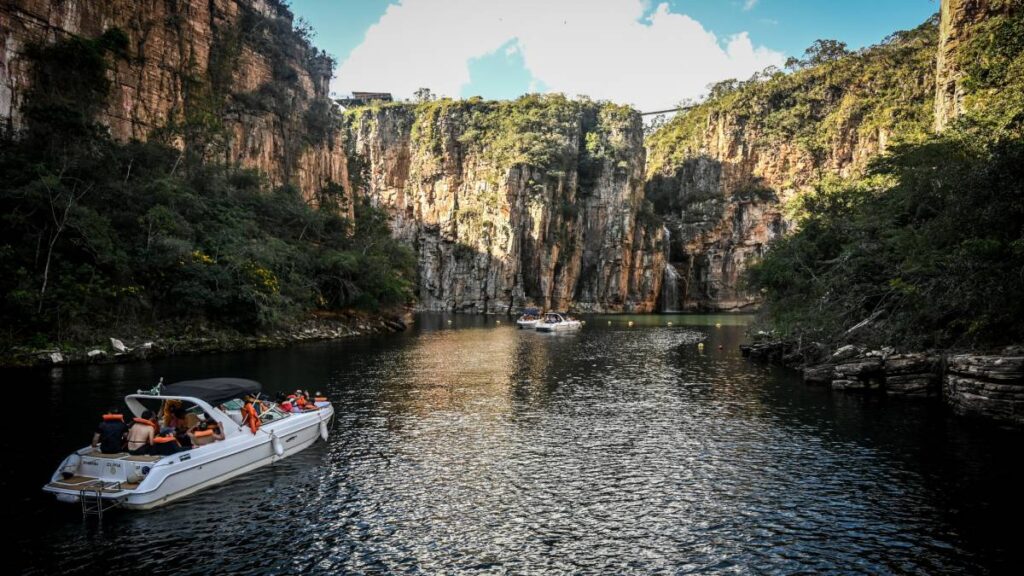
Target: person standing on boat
x=141 y=434
x=109 y=436
x=249 y=416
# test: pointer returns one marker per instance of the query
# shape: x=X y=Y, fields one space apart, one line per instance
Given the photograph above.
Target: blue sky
x=646 y=53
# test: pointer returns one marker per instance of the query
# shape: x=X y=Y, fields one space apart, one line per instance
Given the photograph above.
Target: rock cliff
x=537 y=201
x=722 y=173
x=227 y=80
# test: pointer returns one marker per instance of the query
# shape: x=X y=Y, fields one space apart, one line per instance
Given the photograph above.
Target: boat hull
x=559 y=327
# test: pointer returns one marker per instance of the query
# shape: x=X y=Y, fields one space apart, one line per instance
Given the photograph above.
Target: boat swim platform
x=124 y=456
x=92 y=484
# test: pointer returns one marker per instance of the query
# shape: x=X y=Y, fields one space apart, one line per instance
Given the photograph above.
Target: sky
x=651 y=54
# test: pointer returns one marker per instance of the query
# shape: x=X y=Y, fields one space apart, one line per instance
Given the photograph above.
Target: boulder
x=913 y=375
x=860 y=368
x=95 y=354
x=118 y=346
x=846 y=352
x=822 y=374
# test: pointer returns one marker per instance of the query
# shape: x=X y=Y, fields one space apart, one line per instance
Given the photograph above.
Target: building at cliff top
x=364 y=98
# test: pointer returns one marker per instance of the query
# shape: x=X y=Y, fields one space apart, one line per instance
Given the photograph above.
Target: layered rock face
x=722 y=173
x=503 y=215
x=987 y=385
x=233 y=71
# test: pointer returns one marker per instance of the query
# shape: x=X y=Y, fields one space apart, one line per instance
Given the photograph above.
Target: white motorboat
x=529 y=319
x=148 y=481
x=558 y=322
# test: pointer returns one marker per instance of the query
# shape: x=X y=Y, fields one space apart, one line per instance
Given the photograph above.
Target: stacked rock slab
x=990 y=386
x=852 y=368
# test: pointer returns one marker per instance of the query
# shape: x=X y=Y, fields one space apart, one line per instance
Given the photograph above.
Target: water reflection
x=471 y=446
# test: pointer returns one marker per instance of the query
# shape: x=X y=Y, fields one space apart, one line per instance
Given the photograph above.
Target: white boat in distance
x=147 y=481
x=529 y=319
x=558 y=322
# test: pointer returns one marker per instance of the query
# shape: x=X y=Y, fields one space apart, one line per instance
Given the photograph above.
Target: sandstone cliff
x=722 y=173
x=538 y=201
x=227 y=80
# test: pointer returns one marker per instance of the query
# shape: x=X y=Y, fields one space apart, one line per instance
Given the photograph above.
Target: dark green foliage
x=97 y=234
x=930 y=247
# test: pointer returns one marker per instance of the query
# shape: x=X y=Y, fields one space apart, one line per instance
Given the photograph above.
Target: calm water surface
x=478 y=448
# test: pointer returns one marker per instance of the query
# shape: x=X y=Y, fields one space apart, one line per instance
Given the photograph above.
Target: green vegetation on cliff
x=886 y=86
x=98 y=234
x=928 y=247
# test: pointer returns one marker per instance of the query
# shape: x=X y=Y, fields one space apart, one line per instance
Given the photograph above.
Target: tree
x=424 y=95
x=654 y=124
x=825 y=50
x=720 y=89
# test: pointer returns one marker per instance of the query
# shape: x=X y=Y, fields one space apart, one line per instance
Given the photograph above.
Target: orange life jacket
x=113 y=418
x=301 y=401
x=321 y=399
x=149 y=423
x=249 y=417
x=165 y=440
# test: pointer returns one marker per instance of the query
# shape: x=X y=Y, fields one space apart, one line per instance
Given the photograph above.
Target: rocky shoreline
x=989 y=385
x=131 y=348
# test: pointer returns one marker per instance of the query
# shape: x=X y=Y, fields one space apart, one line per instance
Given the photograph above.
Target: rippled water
x=480 y=448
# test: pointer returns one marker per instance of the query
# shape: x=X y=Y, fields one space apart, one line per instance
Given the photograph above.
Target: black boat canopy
x=531 y=311
x=213 y=390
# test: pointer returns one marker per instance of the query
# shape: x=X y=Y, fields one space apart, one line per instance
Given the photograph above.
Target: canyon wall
x=723 y=173
x=554 y=218
x=537 y=201
x=229 y=80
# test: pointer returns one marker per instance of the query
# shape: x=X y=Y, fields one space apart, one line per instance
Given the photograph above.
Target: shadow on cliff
x=719 y=218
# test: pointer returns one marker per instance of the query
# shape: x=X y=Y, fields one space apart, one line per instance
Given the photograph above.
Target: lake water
x=475 y=447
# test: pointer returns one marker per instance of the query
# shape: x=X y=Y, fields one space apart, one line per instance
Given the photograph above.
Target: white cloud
x=600 y=48
x=749 y=5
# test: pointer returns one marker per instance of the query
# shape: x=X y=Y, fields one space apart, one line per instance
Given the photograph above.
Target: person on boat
x=284 y=402
x=141 y=434
x=109 y=436
x=165 y=444
x=204 y=434
x=169 y=412
x=320 y=400
x=249 y=416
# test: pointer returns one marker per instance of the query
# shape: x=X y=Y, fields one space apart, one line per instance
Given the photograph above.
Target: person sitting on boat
x=320 y=400
x=141 y=434
x=169 y=412
x=249 y=416
x=109 y=436
x=203 y=434
x=165 y=444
